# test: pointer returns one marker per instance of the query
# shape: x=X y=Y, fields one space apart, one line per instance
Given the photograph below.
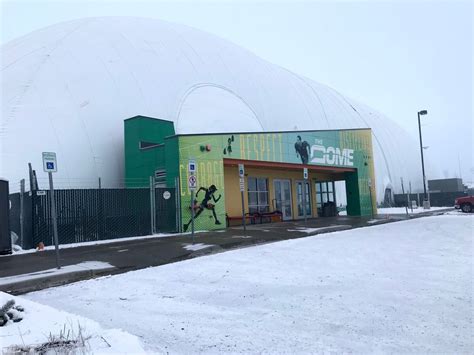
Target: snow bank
x=40 y=321
x=403 y=287
x=86 y=265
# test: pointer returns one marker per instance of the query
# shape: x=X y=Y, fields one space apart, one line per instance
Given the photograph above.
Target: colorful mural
x=344 y=148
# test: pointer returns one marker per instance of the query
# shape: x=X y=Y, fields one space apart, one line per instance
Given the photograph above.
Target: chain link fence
x=85 y=215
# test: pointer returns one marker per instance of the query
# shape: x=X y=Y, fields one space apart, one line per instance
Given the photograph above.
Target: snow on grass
x=306 y=230
x=312 y=230
x=399 y=287
x=197 y=246
x=40 y=321
x=374 y=221
x=86 y=265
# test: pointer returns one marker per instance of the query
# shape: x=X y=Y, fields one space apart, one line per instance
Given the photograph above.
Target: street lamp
x=425 y=200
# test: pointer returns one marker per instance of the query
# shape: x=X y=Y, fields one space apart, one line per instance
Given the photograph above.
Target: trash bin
x=329 y=209
x=5 y=239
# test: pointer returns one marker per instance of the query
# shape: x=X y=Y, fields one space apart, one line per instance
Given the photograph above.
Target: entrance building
x=274 y=183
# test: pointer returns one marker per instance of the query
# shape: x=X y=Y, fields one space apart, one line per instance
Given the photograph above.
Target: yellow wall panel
x=232 y=189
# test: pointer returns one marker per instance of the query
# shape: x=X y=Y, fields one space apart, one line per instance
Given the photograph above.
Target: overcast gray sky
x=398 y=57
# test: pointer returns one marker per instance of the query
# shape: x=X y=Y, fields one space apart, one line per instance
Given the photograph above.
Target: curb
x=40 y=283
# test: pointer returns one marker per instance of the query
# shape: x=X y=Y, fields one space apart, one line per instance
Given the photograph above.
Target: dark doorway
x=325 y=198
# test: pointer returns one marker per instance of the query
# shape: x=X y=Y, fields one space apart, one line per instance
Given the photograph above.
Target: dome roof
x=67 y=88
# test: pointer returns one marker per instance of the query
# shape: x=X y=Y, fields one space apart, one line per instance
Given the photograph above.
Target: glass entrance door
x=283 y=197
x=325 y=193
x=307 y=197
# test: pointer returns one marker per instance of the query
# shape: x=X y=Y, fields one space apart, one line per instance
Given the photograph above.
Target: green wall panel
x=140 y=164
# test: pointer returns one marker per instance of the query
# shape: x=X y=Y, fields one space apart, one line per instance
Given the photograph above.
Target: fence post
x=403 y=194
x=152 y=204
x=177 y=195
x=22 y=195
x=100 y=214
x=5 y=238
x=53 y=215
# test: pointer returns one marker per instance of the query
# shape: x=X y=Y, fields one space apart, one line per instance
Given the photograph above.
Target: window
x=149 y=145
x=258 y=195
x=325 y=192
x=299 y=198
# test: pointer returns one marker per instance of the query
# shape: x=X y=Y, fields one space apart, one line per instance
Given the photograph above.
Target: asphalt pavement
x=127 y=255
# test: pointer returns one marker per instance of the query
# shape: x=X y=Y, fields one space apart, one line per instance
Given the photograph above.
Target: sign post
x=409 y=196
x=369 y=183
x=242 y=188
x=192 y=184
x=403 y=192
x=50 y=167
x=303 y=192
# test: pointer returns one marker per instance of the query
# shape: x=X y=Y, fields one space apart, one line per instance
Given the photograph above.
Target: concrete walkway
x=142 y=253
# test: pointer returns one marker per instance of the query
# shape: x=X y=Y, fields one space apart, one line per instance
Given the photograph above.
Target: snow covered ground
x=401 y=210
x=398 y=287
x=39 y=321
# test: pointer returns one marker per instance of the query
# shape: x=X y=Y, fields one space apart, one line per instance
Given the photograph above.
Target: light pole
x=425 y=200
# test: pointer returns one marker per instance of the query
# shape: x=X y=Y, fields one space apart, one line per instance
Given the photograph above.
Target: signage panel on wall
x=192 y=182
x=241 y=170
x=242 y=184
x=192 y=166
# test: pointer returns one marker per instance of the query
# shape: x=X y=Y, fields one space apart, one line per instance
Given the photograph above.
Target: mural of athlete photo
x=205 y=204
x=228 y=149
x=302 y=150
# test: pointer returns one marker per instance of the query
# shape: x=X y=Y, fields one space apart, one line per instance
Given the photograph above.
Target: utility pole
x=426 y=204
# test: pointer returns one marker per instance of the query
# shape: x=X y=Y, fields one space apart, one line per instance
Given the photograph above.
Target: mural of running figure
x=302 y=150
x=205 y=204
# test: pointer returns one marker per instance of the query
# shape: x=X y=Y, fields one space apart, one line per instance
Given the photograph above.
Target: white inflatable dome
x=67 y=88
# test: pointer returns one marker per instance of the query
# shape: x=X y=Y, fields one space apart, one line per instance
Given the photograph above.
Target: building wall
x=140 y=164
x=344 y=148
x=233 y=204
x=330 y=151
x=446 y=185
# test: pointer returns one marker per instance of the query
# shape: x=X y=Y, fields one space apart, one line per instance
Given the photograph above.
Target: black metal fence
x=5 y=244
x=166 y=211
x=85 y=215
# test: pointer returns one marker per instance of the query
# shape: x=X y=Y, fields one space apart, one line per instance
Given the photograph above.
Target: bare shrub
x=68 y=342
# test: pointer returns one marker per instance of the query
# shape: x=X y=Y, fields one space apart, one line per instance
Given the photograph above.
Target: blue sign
x=50 y=165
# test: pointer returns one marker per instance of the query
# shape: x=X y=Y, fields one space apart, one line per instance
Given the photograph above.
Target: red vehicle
x=464 y=203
